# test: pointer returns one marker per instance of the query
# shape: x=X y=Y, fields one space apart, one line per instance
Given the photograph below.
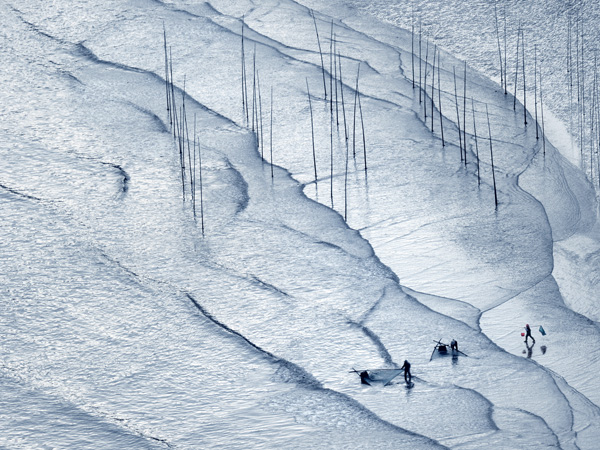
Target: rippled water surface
x=127 y=322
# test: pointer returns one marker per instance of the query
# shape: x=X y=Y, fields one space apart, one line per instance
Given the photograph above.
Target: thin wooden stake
x=194 y=171
x=167 y=77
x=517 y=68
x=505 y=56
x=331 y=69
x=342 y=97
x=465 y=112
x=260 y=122
x=362 y=123
x=592 y=124
x=312 y=131
x=432 y=86
x=425 y=81
x=524 y=82
x=254 y=90
x=594 y=116
x=492 y=156
x=331 y=153
x=271 y=131
x=244 y=76
x=440 y=102
x=542 y=112
x=420 y=70
x=354 y=116
x=537 y=134
x=476 y=144
x=173 y=98
x=181 y=151
x=457 y=115
x=498 y=40
x=335 y=77
x=201 y=193
x=578 y=81
x=321 y=54
x=187 y=140
x=412 y=52
x=570 y=72
x=583 y=121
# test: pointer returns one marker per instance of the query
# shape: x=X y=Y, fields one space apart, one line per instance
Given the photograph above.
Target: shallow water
x=118 y=307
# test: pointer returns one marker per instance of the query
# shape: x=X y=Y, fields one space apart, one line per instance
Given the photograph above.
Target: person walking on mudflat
x=528 y=333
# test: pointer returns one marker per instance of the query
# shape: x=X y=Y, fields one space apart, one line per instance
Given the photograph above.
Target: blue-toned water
x=124 y=325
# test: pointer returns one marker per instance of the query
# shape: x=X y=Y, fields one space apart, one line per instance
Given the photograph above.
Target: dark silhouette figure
x=364 y=377
x=528 y=334
x=407 y=374
x=454 y=345
x=529 y=349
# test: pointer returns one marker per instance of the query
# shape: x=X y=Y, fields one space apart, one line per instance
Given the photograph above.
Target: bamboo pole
x=254 y=90
x=505 y=56
x=201 y=188
x=412 y=52
x=420 y=70
x=335 y=78
x=187 y=140
x=578 y=81
x=425 y=80
x=432 y=86
x=312 y=131
x=583 y=120
x=492 y=156
x=440 y=102
x=537 y=134
x=260 y=122
x=517 y=68
x=592 y=124
x=331 y=153
x=498 y=40
x=244 y=78
x=167 y=76
x=524 y=81
x=476 y=144
x=570 y=72
x=542 y=112
x=354 y=116
x=465 y=112
x=342 y=97
x=457 y=115
x=173 y=99
x=331 y=69
x=181 y=152
x=362 y=123
x=592 y=131
x=321 y=54
x=271 y=132
x=194 y=171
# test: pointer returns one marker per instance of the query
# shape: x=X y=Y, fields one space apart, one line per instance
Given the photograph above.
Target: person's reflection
x=529 y=349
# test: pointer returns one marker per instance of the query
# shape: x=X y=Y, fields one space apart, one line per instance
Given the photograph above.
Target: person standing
x=528 y=333
x=364 y=377
x=454 y=345
x=407 y=374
